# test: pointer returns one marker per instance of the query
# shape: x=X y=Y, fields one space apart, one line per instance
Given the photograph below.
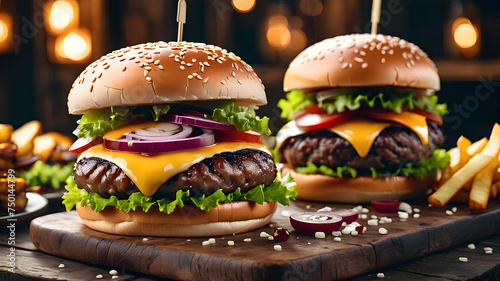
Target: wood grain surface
x=303 y=257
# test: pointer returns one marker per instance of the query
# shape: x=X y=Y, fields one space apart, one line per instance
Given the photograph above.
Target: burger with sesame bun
x=364 y=120
x=169 y=144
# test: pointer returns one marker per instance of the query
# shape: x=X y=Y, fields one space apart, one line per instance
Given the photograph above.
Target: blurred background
x=44 y=45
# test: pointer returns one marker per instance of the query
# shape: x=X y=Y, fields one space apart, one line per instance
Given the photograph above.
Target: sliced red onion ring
x=312 y=222
x=191 y=112
x=197 y=121
x=160 y=129
x=385 y=205
x=185 y=132
x=149 y=147
x=26 y=161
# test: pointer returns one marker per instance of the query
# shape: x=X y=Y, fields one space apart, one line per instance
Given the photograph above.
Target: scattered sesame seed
x=416 y=210
x=182 y=67
x=325 y=209
x=372 y=222
x=270 y=238
x=403 y=215
x=354 y=233
x=115 y=277
x=113 y=272
x=319 y=235
x=363 y=216
x=463 y=259
x=454 y=209
x=277 y=248
x=148 y=79
x=146 y=72
x=230 y=243
x=148 y=68
x=91 y=88
x=391 y=51
x=124 y=68
x=487 y=249
x=358 y=59
x=416 y=216
x=211 y=240
x=99 y=276
x=337 y=233
x=239 y=81
x=344 y=65
x=488 y=252
x=285 y=213
x=380 y=275
x=308 y=207
x=61 y=265
x=337 y=239
x=373 y=217
x=190 y=76
x=364 y=65
x=264 y=234
x=449 y=213
x=247 y=240
x=382 y=60
x=157 y=62
x=365 y=210
x=145 y=239
x=160 y=67
x=471 y=246
x=403 y=206
x=205 y=243
x=382 y=231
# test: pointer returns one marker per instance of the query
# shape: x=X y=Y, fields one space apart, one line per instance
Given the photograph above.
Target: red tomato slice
x=313 y=122
x=82 y=144
x=310 y=109
x=429 y=115
x=234 y=135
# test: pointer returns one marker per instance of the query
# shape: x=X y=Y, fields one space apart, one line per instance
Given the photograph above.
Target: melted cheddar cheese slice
x=149 y=172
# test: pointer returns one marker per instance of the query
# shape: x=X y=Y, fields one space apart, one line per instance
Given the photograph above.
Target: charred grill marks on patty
x=393 y=148
x=227 y=171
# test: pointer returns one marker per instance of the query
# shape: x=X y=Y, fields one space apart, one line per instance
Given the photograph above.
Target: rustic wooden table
x=33 y=264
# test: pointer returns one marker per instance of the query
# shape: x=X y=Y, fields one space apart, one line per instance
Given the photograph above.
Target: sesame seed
x=223 y=82
x=205 y=243
x=449 y=213
x=206 y=63
x=141 y=64
x=99 y=276
x=91 y=88
x=189 y=64
x=157 y=62
x=380 y=275
x=463 y=259
x=350 y=65
x=382 y=231
x=183 y=62
x=405 y=55
x=195 y=74
x=363 y=53
x=364 y=65
x=199 y=77
x=148 y=68
x=408 y=64
x=270 y=238
x=190 y=76
x=356 y=51
x=211 y=240
x=61 y=265
x=233 y=73
x=171 y=55
x=113 y=272
x=160 y=67
x=383 y=52
x=264 y=234
x=95 y=79
x=182 y=67
x=176 y=59
x=239 y=81
x=344 y=65
x=247 y=240
x=319 y=235
x=205 y=80
x=230 y=243
x=382 y=60
x=358 y=59
x=106 y=67
x=471 y=246
x=391 y=52
x=148 y=79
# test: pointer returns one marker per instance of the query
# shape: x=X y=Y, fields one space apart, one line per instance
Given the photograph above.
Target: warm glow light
x=277 y=20
x=61 y=14
x=278 y=35
x=465 y=35
x=243 y=6
x=75 y=46
x=298 y=40
x=311 y=7
x=4 y=31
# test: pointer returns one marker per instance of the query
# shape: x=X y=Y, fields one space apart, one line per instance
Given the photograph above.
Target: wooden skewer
x=376 y=6
x=181 y=18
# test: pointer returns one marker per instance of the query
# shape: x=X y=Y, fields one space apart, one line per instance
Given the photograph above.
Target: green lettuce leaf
x=244 y=118
x=42 y=174
x=296 y=100
x=438 y=160
x=281 y=190
x=96 y=122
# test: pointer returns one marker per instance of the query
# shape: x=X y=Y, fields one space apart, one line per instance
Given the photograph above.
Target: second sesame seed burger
x=364 y=120
x=170 y=144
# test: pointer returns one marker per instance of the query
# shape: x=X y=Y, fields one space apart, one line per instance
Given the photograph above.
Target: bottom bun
x=189 y=221
x=361 y=189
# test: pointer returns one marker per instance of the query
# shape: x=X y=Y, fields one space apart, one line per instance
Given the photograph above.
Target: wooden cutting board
x=303 y=257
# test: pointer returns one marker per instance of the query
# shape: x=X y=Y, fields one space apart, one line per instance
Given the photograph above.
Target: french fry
x=24 y=137
x=496 y=173
x=481 y=185
x=496 y=185
x=444 y=193
x=462 y=144
x=5 y=132
x=493 y=191
x=477 y=147
x=44 y=145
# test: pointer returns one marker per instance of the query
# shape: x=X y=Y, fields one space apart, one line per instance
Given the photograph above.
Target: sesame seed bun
x=361 y=60
x=156 y=73
x=362 y=189
x=225 y=219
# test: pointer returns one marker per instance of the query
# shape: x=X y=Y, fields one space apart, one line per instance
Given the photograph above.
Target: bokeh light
x=61 y=15
x=75 y=45
x=311 y=7
x=243 y=6
x=4 y=31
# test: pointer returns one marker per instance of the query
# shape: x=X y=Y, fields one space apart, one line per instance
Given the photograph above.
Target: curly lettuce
x=438 y=160
x=281 y=190
x=297 y=100
x=42 y=174
x=242 y=117
x=96 y=122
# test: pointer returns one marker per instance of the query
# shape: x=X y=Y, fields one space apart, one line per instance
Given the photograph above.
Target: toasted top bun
x=156 y=73
x=361 y=60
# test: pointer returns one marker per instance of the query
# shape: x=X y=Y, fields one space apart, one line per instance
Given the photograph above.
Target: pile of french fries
x=473 y=174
